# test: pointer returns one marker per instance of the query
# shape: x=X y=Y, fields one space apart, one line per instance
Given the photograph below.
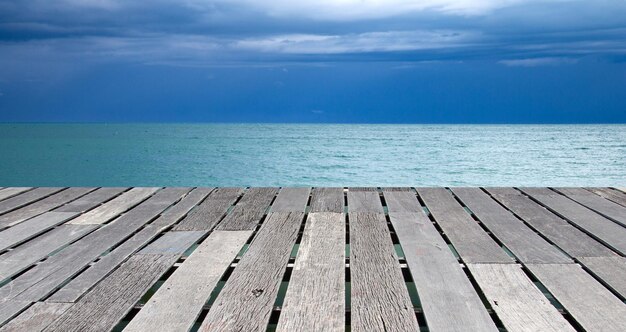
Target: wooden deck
x=312 y=259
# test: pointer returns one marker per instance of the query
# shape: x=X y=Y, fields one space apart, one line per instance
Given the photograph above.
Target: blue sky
x=365 y=61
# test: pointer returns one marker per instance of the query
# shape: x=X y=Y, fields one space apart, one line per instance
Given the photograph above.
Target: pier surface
x=312 y=259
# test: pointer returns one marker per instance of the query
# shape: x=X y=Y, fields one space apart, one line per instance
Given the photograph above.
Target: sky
x=342 y=61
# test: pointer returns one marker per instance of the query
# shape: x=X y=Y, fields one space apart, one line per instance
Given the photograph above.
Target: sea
x=311 y=155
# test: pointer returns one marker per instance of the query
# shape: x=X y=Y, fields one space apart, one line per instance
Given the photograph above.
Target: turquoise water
x=314 y=155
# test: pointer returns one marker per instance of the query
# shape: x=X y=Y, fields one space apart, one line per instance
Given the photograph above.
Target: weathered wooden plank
x=91 y=200
x=379 y=297
x=291 y=200
x=364 y=201
x=12 y=191
x=611 y=270
x=316 y=294
x=36 y=318
x=17 y=216
x=569 y=238
x=22 y=257
x=525 y=244
x=26 y=198
x=245 y=303
x=520 y=305
x=327 y=200
x=610 y=194
x=591 y=305
x=86 y=280
x=249 y=210
x=47 y=276
x=114 y=207
x=10 y=308
x=448 y=298
x=31 y=228
x=111 y=299
x=468 y=238
x=206 y=215
x=606 y=231
x=603 y=206
x=178 y=302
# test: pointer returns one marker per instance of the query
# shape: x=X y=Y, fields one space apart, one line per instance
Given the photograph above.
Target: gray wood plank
x=49 y=203
x=116 y=206
x=604 y=230
x=316 y=294
x=569 y=238
x=86 y=280
x=46 y=277
x=10 y=308
x=91 y=200
x=448 y=298
x=591 y=305
x=17 y=260
x=525 y=244
x=249 y=211
x=468 y=238
x=379 y=297
x=26 y=198
x=36 y=318
x=364 y=201
x=178 y=302
x=327 y=200
x=245 y=303
x=611 y=270
x=520 y=305
x=610 y=194
x=111 y=299
x=12 y=191
x=206 y=215
x=291 y=200
x=31 y=228
x=601 y=205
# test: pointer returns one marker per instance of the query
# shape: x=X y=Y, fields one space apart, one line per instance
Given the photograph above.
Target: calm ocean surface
x=313 y=155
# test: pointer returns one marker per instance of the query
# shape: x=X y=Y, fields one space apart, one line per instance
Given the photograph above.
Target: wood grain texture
x=36 y=318
x=245 y=303
x=448 y=298
x=611 y=270
x=316 y=294
x=31 y=228
x=86 y=280
x=178 y=302
x=520 y=305
x=47 y=276
x=208 y=213
x=291 y=200
x=597 y=203
x=327 y=200
x=12 y=191
x=567 y=237
x=115 y=207
x=29 y=211
x=27 y=254
x=26 y=198
x=91 y=200
x=591 y=305
x=105 y=305
x=10 y=308
x=249 y=211
x=610 y=194
x=525 y=244
x=364 y=201
x=468 y=238
x=604 y=230
x=379 y=297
